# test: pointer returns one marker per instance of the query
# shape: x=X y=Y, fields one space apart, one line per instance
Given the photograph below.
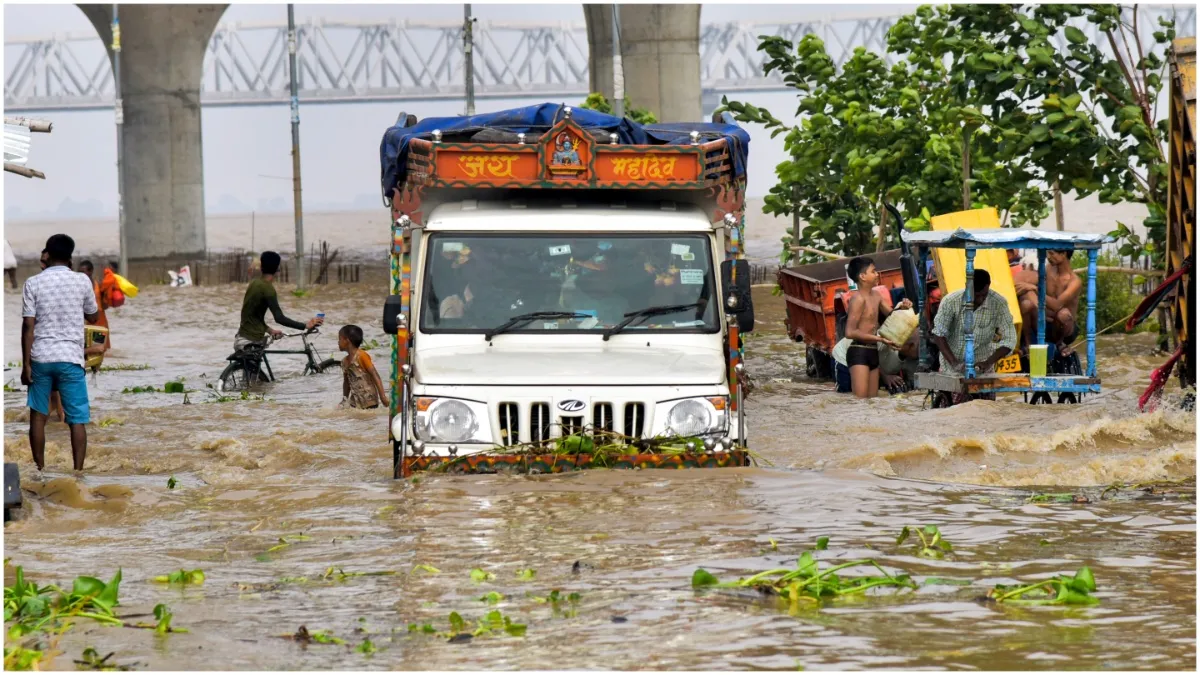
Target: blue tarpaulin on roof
x=393 y=150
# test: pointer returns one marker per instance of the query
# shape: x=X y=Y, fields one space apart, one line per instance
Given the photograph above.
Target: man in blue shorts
x=54 y=305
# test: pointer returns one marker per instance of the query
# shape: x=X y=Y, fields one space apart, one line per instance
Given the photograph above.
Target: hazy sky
x=247 y=149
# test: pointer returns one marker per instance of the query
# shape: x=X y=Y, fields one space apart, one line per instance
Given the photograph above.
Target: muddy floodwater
x=252 y=472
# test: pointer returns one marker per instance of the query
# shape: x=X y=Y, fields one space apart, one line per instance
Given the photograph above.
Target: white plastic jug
x=899 y=326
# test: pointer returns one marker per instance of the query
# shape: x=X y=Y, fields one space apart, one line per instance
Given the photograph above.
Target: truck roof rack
x=555 y=148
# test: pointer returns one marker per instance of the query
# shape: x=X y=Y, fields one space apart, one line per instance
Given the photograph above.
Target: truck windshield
x=478 y=282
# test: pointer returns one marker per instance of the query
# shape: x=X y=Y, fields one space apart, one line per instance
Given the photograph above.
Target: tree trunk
x=883 y=215
x=1058 y=209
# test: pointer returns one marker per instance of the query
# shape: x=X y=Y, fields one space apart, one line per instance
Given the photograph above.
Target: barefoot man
x=1063 y=289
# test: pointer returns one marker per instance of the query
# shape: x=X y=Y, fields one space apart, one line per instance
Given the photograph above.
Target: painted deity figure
x=566 y=155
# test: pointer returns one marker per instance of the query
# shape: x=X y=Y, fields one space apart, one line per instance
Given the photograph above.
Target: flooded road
x=251 y=473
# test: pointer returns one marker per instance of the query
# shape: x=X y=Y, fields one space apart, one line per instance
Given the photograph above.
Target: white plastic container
x=899 y=326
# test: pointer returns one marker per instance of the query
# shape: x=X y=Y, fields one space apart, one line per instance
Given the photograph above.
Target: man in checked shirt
x=55 y=303
x=995 y=334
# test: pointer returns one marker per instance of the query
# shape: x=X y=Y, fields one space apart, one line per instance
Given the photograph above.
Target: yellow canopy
x=951 y=264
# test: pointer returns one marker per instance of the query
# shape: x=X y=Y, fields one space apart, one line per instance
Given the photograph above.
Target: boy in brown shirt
x=361 y=386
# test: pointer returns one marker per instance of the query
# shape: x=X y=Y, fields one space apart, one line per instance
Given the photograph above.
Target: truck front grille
x=510 y=424
x=635 y=419
x=571 y=424
x=539 y=422
x=602 y=418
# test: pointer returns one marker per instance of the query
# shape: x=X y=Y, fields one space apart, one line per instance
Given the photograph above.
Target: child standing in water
x=361 y=386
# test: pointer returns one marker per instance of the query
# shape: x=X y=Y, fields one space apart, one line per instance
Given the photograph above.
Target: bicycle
x=249 y=365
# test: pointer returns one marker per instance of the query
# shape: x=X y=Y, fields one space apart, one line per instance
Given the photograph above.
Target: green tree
x=601 y=104
x=1078 y=115
x=871 y=133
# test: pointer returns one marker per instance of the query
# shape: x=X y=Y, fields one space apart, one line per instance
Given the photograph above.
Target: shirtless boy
x=1063 y=288
x=867 y=313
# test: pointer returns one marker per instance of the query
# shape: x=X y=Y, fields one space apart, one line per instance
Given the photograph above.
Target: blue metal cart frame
x=969 y=242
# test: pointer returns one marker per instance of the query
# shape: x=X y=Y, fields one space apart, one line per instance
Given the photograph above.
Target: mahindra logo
x=571 y=405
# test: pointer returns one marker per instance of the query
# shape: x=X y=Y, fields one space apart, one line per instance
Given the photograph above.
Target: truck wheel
x=942 y=399
x=817 y=364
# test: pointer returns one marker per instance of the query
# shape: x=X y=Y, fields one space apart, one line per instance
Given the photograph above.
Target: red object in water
x=118 y=298
x=1158 y=379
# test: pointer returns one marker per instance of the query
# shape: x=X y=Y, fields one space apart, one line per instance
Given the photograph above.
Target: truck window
x=474 y=282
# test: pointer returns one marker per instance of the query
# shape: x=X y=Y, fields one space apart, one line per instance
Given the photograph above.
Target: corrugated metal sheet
x=16 y=144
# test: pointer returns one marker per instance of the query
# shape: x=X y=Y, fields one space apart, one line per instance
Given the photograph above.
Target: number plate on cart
x=1009 y=364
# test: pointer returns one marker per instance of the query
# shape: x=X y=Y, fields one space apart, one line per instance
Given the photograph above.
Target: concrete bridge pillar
x=162 y=57
x=660 y=54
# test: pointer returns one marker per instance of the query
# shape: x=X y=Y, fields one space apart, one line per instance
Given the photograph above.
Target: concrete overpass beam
x=660 y=54
x=162 y=57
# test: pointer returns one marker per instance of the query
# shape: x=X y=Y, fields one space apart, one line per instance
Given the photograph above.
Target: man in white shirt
x=55 y=303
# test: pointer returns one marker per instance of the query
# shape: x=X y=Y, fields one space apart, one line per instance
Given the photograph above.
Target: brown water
x=252 y=472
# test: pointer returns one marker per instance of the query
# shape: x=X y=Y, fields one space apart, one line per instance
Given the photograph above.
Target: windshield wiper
x=646 y=313
x=522 y=319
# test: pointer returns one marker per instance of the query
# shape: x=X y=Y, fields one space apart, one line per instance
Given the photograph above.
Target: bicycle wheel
x=235 y=377
x=325 y=365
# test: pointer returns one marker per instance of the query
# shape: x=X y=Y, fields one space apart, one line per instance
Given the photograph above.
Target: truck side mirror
x=736 y=298
x=391 y=315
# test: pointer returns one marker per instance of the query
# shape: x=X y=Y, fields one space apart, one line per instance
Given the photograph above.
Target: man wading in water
x=261 y=296
x=54 y=305
x=866 y=314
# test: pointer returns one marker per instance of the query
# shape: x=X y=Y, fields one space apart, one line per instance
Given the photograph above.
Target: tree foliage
x=601 y=104
x=1032 y=113
x=1078 y=113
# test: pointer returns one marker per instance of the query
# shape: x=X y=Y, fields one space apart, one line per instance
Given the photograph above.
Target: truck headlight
x=696 y=416
x=450 y=420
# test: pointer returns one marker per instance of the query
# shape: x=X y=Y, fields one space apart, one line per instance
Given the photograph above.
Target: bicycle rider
x=261 y=296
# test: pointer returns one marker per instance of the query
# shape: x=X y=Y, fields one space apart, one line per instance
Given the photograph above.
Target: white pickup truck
x=566 y=287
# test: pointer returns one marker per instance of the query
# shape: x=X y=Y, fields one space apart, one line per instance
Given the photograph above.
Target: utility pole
x=300 y=280
x=469 y=58
x=122 y=235
x=1058 y=209
x=618 y=104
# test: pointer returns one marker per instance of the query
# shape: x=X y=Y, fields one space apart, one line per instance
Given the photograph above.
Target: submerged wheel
x=1068 y=397
x=326 y=365
x=1040 y=398
x=235 y=377
x=942 y=399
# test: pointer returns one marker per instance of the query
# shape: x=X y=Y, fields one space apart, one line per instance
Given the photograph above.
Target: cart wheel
x=942 y=399
x=810 y=363
x=1041 y=398
x=1068 y=397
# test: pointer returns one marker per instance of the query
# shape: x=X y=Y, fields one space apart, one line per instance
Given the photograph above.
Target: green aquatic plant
x=428 y=569
x=171 y=483
x=91 y=660
x=479 y=576
x=109 y=422
x=932 y=545
x=492 y=598
x=1059 y=590
x=808 y=582
x=526 y=574
x=366 y=648
x=144 y=389
x=1057 y=498
x=182 y=577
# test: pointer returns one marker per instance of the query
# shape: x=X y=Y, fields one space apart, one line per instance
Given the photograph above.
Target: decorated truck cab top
x=567 y=292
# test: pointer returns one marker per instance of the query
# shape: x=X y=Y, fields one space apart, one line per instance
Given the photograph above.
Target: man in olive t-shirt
x=261 y=296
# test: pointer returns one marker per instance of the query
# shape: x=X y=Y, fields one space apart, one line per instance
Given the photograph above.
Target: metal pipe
x=119 y=112
x=1041 y=326
x=1093 y=256
x=919 y=302
x=969 y=315
x=618 y=104
x=469 y=58
x=299 y=207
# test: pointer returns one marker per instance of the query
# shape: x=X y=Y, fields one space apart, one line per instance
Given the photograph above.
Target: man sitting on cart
x=1063 y=289
x=995 y=334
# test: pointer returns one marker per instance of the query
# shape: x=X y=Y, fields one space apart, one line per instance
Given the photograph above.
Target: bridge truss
x=422 y=60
